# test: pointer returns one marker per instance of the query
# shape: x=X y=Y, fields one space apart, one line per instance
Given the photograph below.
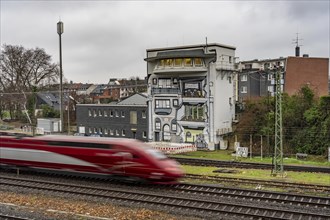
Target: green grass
x=298 y=177
x=227 y=155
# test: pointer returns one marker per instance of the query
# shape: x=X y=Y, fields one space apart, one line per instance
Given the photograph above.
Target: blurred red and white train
x=106 y=156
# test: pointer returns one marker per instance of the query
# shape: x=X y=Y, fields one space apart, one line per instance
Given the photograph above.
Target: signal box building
x=190 y=94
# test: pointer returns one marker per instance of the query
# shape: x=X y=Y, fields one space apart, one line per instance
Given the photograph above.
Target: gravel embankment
x=45 y=207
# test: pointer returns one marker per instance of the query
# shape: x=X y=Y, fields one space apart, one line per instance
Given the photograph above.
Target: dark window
x=78 y=144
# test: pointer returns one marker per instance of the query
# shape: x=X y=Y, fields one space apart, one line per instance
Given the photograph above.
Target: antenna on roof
x=296 y=41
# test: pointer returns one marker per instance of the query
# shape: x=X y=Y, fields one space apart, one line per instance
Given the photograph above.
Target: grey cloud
x=105 y=39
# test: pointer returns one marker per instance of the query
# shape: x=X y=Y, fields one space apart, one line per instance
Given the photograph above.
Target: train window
x=79 y=144
x=155 y=153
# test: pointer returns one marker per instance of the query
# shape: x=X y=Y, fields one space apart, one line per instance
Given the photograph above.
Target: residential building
x=256 y=78
x=125 y=119
x=190 y=94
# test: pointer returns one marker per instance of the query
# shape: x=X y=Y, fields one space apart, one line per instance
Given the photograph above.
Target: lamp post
x=60 y=32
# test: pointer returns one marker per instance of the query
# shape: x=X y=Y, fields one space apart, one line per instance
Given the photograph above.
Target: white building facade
x=191 y=94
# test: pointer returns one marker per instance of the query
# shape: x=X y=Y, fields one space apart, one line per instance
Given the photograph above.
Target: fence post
x=250 y=146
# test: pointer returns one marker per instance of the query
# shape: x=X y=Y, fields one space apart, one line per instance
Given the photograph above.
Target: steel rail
x=195 y=205
x=247 y=165
x=262 y=183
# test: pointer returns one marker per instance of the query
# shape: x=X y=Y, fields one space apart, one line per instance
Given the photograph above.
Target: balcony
x=194 y=96
x=192 y=124
x=181 y=70
x=165 y=91
x=163 y=111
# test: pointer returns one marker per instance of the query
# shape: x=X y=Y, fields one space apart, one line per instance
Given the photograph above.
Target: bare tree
x=23 y=70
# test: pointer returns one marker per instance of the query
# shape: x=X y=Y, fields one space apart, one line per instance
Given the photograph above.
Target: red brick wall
x=307 y=70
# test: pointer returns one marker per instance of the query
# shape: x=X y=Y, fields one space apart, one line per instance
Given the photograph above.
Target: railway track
x=12 y=217
x=246 y=165
x=324 y=189
x=210 y=201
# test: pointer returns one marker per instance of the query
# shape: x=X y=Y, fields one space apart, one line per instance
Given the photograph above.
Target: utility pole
x=278 y=149
x=60 y=32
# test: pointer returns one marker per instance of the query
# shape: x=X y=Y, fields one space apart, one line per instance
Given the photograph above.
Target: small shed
x=49 y=125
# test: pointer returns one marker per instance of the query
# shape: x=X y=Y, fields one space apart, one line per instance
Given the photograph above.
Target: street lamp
x=60 y=32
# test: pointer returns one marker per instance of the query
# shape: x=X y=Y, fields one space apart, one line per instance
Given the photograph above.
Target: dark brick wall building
x=127 y=119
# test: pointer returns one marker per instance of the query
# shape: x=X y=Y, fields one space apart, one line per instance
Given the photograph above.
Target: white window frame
x=144 y=114
x=243 y=77
x=244 y=89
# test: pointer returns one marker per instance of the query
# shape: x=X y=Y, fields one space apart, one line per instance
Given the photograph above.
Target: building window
x=244 y=78
x=90 y=130
x=144 y=114
x=111 y=132
x=105 y=113
x=230 y=103
x=117 y=133
x=198 y=62
x=187 y=62
x=123 y=132
x=175 y=102
x=168 y=62
x=144 y=134
x=154 y=81
x=178 y=62
x=162 y=103
x=106 y=131
x=111 y=113
x=157 y=124
x=229 y=79
x=167 y=134
x=270 y=89
x=89 y=112
x=100 y=112
x=230 y=59
x=270 y=77
x=165 y=83
x=122 y=114
x=116 y=113
x=133 y=117
x=244 y=89
x=161 y=63
x=174 y=126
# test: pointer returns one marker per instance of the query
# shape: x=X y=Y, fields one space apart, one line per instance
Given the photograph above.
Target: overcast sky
x=108 y=39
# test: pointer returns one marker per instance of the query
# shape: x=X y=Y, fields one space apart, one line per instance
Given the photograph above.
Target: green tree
x=22 y=71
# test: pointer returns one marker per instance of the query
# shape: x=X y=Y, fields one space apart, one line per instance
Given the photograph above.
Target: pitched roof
x=136 y=99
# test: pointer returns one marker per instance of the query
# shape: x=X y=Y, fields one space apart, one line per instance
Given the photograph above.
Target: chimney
x=297 y=51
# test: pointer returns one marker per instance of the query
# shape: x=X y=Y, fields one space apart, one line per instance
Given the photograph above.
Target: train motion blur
x=126 y=158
